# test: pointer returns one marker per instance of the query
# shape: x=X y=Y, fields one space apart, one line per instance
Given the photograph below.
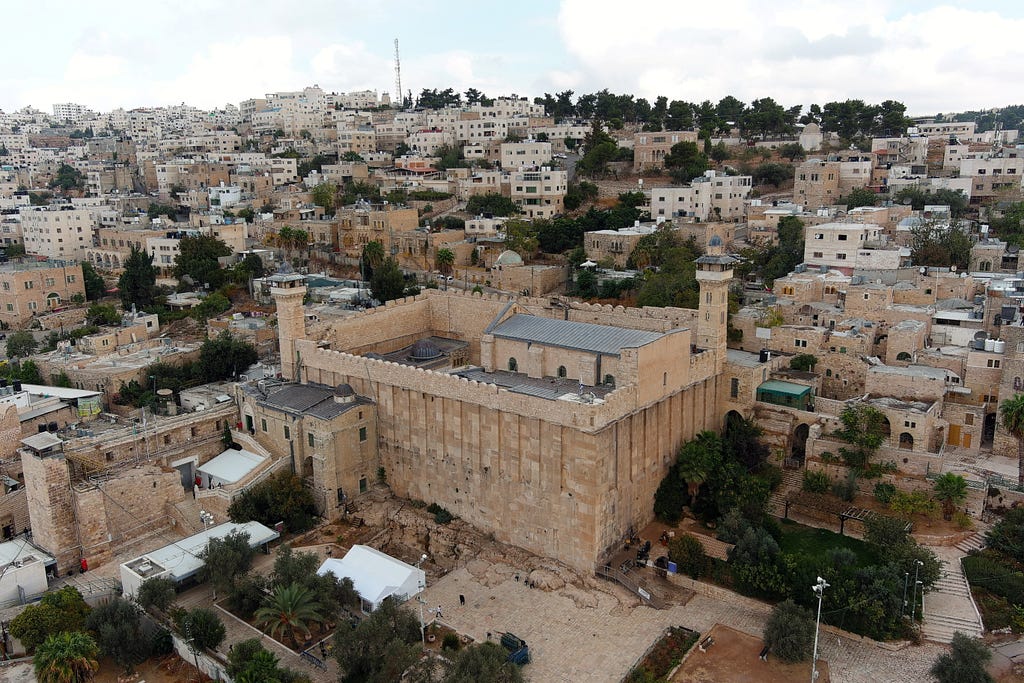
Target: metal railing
x=634 y=586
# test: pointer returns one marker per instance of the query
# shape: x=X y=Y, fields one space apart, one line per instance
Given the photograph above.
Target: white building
x=526 y=154
x=58 y=232
x=710 y=197
x=847 y=246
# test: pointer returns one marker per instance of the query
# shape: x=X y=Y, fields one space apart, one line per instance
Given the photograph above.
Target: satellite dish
x=980 y=336
x=952 y=269
x=922 y=270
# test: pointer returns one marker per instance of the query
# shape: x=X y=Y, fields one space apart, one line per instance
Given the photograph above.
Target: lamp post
x=819 y=590
x=421 y=601
x=906 y=581
x=913 y=601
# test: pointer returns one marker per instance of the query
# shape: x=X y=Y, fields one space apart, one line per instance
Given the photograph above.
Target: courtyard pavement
x=595 y=636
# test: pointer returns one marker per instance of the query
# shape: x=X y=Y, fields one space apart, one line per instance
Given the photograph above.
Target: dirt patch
x=734 y=657
x=169 y=669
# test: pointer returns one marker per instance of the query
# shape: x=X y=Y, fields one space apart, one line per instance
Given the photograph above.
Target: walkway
x=594 y=636
x=948 y=606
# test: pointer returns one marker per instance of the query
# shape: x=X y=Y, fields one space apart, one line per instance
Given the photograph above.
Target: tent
x=376 y=575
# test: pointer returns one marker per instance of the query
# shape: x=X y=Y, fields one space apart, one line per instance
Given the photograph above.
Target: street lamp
x=819 y=590
x=913 y=601
x=906 y=581
x=421 y=601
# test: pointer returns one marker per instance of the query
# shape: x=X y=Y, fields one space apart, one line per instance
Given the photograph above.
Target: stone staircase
x=949 y=608
x=186 y=513
x=975 y=541
x=792 y=481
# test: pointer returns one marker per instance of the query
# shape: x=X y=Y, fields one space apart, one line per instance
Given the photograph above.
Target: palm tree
x=66 y=657
x=1013 y=420
x=444 y=260
x=287 y=610
x=951 y=490
x=373 y=256
x=697 y=460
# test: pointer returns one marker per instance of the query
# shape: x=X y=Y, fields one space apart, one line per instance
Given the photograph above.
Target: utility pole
x=398 y=78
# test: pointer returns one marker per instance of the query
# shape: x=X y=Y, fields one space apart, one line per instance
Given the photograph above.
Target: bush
x=441 y=515
x=913 y=503
x=688 y=554
x=671 y=497
x=964 y=663
x=986 y=572
x=1007 y=536
x=816 y=481
x=884 y=492
x=963 y=520
x=450 y=642
x=846 y=489
x=790 y=632
x=281 y=498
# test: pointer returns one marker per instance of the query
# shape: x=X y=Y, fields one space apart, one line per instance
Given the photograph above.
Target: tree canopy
x=197 y=259
x=137 y=283
x=224 y=357
x=493 y=204
x=94 y=285
x=387 y=281
x=381 y=647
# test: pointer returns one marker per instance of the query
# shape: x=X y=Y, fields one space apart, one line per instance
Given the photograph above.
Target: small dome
x=344 y=390
x=715 y=241
x=509 y=258
x=424 y=349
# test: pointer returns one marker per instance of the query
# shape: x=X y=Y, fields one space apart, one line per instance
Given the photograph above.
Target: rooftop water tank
x=990 y=344
x=1000 y=346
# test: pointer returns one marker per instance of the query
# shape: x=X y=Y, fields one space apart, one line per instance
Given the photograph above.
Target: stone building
x=328 y=433
x=36 y=287
x=650 y=148
x=558 y=429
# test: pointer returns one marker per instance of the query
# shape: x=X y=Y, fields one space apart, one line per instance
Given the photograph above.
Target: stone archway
x=732 y=417
x=907 y=441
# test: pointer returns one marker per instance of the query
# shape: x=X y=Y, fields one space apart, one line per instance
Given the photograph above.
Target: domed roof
x=344 y=390
x=509 y=258
x=424 y=349
x=715 y=241
x=812 y=127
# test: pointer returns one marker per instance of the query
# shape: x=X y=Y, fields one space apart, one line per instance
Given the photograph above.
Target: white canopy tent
x=229 y=467
x=376 y=575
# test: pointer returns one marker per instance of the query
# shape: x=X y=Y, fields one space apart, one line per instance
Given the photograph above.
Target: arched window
x=513 y=365
x=53 y=299
x=561 y=371
x=985 y=266
x=906 y=441
x=609 y=380
x=903 y=355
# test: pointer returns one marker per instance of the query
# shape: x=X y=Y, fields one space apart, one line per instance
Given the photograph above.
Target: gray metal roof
x=573 y=335
x=317 y=401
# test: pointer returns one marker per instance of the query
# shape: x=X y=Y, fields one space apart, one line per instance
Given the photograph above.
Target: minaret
x=289 y=291
x=714 y=273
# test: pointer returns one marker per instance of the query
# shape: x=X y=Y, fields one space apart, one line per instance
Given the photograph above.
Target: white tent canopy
x=229 y=467
x=376 y=575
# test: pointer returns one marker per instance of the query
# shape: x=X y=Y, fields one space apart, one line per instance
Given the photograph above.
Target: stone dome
x=424 y=349
x=344 y=390
x=509 y=258
x=715 y=241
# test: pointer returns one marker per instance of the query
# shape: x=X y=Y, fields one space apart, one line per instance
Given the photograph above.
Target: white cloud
x=799 y=52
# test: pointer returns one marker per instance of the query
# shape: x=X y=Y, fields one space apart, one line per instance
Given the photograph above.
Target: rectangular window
x=840 y=257
x=263 y=424
x=287 y=432
x=734 y=388
x=969 y=419
x=309 y=438
x=362 y=434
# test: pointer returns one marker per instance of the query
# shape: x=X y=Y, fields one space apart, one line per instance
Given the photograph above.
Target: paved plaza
x=596 y=635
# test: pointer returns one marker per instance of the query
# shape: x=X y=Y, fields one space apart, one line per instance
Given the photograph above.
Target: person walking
x=462 y=600
x=439 y=615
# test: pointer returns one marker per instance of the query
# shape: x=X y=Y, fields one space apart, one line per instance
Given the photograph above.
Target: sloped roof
x=573 y=335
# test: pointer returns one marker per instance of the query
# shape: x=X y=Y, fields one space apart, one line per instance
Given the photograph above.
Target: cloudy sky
x=933 y=56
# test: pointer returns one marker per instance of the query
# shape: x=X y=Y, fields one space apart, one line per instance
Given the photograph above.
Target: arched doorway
x=988 y=432
x=732 y=418
x=799 y=449
x=886 y=429
x=907 y=441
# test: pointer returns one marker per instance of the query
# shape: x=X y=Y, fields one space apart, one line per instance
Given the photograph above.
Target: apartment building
x=846 y=246
x=526 y=154
x=994 y=174
x=427 y=141
x=821 y=182
x=649 y=148
x=36 y=287
x=362 y=223
x=710 y=197
x=57 y=231
x=539 y=194
x=356 y=139
x=614 y=246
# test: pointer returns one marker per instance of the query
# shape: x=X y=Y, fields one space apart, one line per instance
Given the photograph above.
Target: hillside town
x=515 y=377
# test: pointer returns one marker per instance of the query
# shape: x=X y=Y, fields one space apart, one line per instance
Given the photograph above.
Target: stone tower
x=288 y=292
x=714 y=273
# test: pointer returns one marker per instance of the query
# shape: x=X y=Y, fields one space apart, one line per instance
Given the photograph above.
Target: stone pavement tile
x=601 y=642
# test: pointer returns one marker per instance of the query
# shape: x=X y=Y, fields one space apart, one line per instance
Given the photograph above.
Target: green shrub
x=877 y=469
x=790 y=632
x=963 y=520
x=688 y=554
x=986 y=572
x=441 y=516
x=450 y=642
x=772 y=475
x=912 y=503
x=884 y=492
x=816 y=482
x=846 y=489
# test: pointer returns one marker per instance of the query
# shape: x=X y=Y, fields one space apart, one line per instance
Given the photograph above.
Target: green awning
x=776 y=386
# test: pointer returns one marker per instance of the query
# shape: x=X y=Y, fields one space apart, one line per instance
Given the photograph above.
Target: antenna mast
x=398 y=77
